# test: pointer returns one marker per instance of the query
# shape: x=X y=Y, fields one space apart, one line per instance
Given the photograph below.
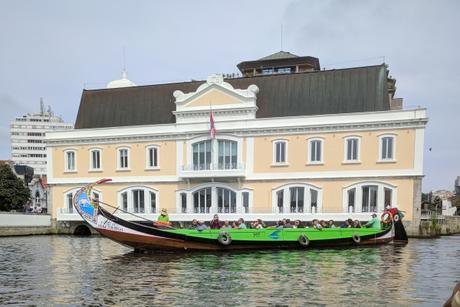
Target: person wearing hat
x=374 y=222
x=163 y=217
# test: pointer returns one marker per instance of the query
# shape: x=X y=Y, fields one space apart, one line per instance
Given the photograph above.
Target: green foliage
x=13 y=192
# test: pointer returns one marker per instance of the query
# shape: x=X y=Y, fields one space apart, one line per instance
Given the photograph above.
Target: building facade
x=27 y=134
x=301 y=145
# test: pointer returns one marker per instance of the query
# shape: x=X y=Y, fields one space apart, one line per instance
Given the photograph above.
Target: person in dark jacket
x=215 y=223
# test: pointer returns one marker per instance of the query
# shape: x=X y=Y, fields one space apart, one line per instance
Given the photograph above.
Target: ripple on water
x=64 y=270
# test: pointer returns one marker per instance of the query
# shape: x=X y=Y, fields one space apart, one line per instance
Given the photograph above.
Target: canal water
x=66 y=270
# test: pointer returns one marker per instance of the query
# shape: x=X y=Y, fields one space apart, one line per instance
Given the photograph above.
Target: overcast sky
x=54 y=49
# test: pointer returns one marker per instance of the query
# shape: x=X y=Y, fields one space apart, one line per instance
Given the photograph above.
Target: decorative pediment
x=220 y=97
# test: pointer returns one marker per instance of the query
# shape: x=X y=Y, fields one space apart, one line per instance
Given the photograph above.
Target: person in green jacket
x=374 y=222
x=163 y=217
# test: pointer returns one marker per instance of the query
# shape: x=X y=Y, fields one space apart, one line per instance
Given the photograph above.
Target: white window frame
x=214 y=150
x=214 y=201
x=345 y=149
x=306 y=198
x=119 y=166
x=147 y=157
x=393 y=153
x=309 y=146
x=91 y=169
x=286 y=152
x=359 y=196
x=66 y=161
x=147 y=199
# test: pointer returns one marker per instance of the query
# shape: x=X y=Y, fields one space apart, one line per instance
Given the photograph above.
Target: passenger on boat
x=356 y=224
x=395 y=211
x=374 y=222
x=241 y=224
x=201 y=226
x=331 y=224
x=235 y=225
x=297 y=224
x=215 y=223
x=316 y=224
x=226 y=225
x=163 y=217
x=194 y=224
x=260 y=224
x=347 y=224
x=324 y=224
x=288 y=224
x=280 y=224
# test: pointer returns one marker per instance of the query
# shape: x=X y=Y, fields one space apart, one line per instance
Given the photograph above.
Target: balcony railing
x=213 y=170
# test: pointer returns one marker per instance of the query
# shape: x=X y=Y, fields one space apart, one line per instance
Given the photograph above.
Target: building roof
x=279 y=55
x=361 y=89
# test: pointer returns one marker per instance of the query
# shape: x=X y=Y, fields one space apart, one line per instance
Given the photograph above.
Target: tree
x=13 y=192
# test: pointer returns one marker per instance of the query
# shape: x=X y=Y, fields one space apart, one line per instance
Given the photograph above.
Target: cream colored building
x=301 y=145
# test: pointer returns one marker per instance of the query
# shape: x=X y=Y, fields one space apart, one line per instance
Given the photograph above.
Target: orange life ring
x=387 y=217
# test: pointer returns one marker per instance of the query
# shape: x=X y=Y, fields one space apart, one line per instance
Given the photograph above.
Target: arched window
x=214 y=198
x=370 y=196
x=140 y=200
x=202 y=155
x=297 y=198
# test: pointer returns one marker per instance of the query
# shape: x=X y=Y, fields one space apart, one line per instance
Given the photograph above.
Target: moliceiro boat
x=148 y=237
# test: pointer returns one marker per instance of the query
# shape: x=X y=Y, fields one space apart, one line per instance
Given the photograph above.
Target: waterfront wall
x=18 y=224
x=434 y=226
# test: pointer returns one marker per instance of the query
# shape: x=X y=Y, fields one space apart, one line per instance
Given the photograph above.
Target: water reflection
x=61 y=270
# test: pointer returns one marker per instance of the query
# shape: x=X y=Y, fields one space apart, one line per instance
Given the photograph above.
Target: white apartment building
x=27 y=133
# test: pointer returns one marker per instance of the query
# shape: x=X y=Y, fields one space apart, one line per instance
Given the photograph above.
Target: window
x=152 y=157
x=351 y=149
x=183 y=202
x=226 y=201
x=284 y=70
x=387 y=197
x=153 y=202
x=280 y=152
x=268 y=71
x=280 y=201
x=387 y=148
x=227 y=154
x=315 y=151
x=216 y=198
x=370 y=196
x=70 y=163
x=124 y=201
x=369 y=202
x=202 y=155
x=123 y=158
x=351 y=200
x=95 y=156
x=202 y=201
x=245 y=202
x=140 y=200
x=69 y=202
x=297 y=198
